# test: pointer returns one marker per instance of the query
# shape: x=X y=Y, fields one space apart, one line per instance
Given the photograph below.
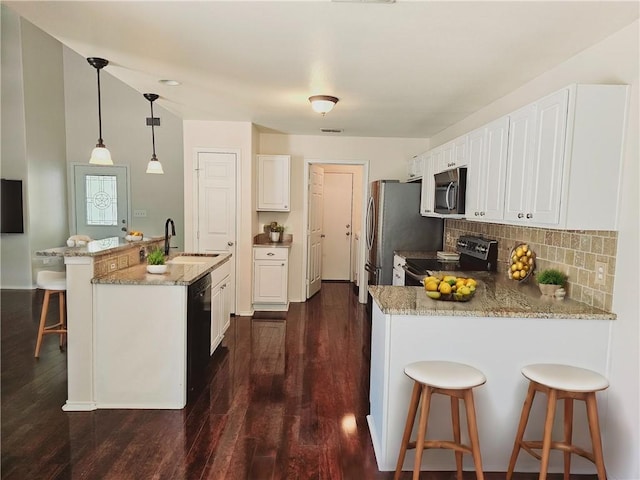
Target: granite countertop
x=176 y=274
x=96 y=247
x=263 y=240
x=496 y=296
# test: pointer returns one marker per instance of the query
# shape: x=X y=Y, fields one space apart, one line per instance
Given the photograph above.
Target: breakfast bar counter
x=504 y=327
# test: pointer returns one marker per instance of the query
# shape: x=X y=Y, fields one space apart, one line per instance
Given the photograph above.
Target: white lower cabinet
x=220 y=307
x=270 y=278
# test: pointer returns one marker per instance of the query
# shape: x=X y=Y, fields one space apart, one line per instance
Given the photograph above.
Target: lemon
x=464 y=291
x=514 y=267
x=519 y=265
x=471 y=282
x=523 y=273
x=516 y=275
x=514 y=258
x=431 y=279
x=472 y=288
x=525 y=248
x=434 y=295
x=529 y=253
x=448 y=278
x=519 y=252
x=444 y=288
x=431 y=286
x=461 y=282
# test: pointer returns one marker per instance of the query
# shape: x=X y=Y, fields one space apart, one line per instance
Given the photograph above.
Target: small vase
x=274 y=236
x=549 y=290
x=158 y=269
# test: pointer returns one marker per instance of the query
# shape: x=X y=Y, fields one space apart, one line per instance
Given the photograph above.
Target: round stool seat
x=48 y=280
x=565 y=377
x=441 y=374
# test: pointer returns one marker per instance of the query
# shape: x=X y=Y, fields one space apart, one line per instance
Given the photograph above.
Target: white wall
x=127 y=136
x=614 y=60
x=234 y=136
x=386 y=158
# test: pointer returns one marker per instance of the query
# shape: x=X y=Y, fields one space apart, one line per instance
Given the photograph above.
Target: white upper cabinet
x=460 y=152
x=428 y=187
x=414 y=167
x=273 y=183
x=487 y=162
x=565 y=159
x=444 y=160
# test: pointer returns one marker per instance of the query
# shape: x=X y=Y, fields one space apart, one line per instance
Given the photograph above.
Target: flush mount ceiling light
x=154 y=165
x=171 y=83
x=100 y=155
x=323 y=103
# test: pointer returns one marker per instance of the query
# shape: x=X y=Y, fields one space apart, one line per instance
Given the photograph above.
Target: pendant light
x=100 y=155
x=154 y=165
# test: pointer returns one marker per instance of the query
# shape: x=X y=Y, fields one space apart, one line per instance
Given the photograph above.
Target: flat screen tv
x=11 y=219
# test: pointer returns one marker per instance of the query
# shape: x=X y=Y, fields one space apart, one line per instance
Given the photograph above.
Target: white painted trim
x=362 y=294
x=79 y=406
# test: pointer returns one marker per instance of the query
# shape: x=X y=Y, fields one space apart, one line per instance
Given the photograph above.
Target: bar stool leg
x=594 y=428
x=422 y=429
x=524 y=418
x=552 y=397
x=473 y=433
x=63 y=318
x=43 y=319
x=455 y=420
x=408 y=428
x=568 y=433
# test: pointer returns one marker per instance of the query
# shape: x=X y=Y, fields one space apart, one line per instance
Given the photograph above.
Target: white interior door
x=101 y=200
x=337 y=226
x=216 y=216
x=314 y=230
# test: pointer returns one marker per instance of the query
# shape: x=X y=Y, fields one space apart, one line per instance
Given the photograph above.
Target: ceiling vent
x=331 y=130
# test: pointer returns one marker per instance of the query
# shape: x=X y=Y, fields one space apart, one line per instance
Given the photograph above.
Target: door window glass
x=102 y=199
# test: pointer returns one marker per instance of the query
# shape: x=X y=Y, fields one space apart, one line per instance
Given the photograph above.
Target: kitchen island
x=504 y=327
x=114 y=263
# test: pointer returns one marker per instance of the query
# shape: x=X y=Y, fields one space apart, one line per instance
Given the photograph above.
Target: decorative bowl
x=522 y=262
x=133 y=238
x=158 y=269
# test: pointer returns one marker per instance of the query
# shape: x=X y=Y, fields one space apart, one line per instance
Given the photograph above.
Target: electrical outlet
x=601 y=273
x=139 y=213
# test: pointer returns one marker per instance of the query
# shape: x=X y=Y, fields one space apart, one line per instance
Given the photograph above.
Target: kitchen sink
x=191 y=259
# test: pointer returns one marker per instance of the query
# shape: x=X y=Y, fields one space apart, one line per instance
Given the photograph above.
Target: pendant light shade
x=323 y=103
x=154 y=165
x=100 y=155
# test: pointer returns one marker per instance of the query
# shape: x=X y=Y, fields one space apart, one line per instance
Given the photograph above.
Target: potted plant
x=550 y=280
x=155 y=261
x=275 y=232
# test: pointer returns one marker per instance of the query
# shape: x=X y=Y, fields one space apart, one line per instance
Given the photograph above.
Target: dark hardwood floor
x=285 y=399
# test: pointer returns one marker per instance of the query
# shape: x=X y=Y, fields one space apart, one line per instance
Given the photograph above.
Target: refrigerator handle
x=370 y=223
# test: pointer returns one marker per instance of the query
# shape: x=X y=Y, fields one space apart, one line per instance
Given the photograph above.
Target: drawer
x=270 y=253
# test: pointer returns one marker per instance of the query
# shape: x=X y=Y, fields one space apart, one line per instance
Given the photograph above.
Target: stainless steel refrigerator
x=394 y=223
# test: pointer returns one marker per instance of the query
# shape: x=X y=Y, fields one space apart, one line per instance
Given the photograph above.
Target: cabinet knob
x=282 y=264
x=477 y=213
x=529 y=215
x=482 y=214
x=520 y=215
x=230 y=244
x=271 y=254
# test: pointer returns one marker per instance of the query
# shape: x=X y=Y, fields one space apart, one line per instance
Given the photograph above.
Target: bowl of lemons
x=522 y=262
x=450 y=288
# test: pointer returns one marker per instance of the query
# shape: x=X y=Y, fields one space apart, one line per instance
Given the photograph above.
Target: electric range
x=476 y=254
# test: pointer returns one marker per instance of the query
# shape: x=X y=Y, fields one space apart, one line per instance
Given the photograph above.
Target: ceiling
x=404 y=69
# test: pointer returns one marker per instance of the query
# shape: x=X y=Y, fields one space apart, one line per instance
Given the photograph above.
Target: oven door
x=412 y=278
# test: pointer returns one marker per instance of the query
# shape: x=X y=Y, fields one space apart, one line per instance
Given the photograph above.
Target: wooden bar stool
x=52 y=282
x=455 y=380
x=561 y=382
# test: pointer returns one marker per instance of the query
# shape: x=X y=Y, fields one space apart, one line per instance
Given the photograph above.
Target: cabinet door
x=475 y=174
x=273 y=183
x=446 y=158
x=460 y=151
x=270 y=281
x=428 y=186
x=495 y=163
x=519 y=164
x=217 y=309
x=436 y=160
x=548 y=160
x=226 y=305
x=414 y=168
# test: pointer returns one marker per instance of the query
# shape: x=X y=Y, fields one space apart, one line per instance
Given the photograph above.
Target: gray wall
x=126 y=135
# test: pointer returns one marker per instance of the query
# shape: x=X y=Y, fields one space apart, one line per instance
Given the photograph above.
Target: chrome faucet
x=167 y=237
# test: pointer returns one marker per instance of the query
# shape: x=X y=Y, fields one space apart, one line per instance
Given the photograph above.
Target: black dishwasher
x=198 y=333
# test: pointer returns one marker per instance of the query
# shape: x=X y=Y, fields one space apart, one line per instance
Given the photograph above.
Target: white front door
x=216 y=216
x=314 y=230
x=101 y=200
x=337 y=226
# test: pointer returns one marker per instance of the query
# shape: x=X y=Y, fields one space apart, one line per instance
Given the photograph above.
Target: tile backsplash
x=574 y=252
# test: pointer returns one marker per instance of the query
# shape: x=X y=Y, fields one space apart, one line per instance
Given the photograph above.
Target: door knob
x=230 y=244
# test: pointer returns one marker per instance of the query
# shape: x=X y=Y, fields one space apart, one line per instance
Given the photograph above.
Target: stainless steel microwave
x=450 y=191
